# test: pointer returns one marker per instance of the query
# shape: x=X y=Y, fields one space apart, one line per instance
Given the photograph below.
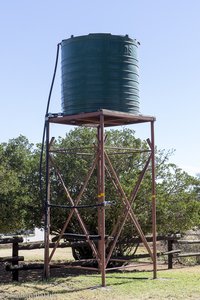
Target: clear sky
x=169 y=54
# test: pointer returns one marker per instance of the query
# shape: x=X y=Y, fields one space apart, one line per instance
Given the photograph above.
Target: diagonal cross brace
x=75 y=210
x=123 y=217
x=129 y=210
x=124 y=214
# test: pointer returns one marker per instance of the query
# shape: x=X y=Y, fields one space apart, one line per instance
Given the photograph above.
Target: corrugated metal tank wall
x=99 y=71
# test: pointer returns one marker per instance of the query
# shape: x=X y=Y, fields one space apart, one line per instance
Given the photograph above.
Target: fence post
x=170 y=256
x=15 y=273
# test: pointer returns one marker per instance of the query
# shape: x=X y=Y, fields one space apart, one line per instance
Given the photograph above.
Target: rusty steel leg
x=101 y=199
x=153 y=203
x=47 y=209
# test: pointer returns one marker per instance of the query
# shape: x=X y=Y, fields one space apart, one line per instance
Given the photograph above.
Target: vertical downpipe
x=153 y=202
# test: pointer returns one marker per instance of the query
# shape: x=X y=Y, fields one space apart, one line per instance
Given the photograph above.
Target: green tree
x=19 y=188
x=178 y=205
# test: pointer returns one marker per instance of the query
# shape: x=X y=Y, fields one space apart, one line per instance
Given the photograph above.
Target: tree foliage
x=18 y=185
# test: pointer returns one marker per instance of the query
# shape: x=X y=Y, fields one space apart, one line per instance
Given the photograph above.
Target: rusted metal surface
x=101 y=161
x=154 y=233
x=111 y=118
x=131 y=265
x=101 y=198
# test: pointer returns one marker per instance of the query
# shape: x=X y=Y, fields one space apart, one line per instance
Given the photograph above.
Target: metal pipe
x=127 y=152
x=126 y=148
x=74 y=148
x=101 y=197
x=128 y=266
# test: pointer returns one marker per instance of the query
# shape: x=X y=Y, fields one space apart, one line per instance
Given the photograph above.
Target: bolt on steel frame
x=100 y=120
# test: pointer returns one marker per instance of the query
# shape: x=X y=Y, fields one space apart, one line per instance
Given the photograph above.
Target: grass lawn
x=171 y=284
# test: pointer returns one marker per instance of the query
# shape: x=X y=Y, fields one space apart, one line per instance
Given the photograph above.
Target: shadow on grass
x=44 y=291
x=37 y=274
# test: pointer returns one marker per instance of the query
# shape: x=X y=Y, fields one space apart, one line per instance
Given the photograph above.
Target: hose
x=44 y=129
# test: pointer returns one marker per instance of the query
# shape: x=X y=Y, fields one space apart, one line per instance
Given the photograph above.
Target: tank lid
x=100 y=35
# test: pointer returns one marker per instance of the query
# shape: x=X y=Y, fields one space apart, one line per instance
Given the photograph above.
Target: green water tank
x=99 y=71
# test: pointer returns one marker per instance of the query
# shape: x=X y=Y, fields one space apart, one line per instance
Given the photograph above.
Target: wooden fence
x=15 y=258
x=17 y=245
x=178 y=253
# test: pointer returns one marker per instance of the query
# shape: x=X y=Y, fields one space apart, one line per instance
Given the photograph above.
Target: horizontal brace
x=128 y=266
x=41 y=266
x=81 y=237
x=143 y=255
x=72 y=149
x=71 y=152
x=128 y=149
x=127 y=152
x=105 y=203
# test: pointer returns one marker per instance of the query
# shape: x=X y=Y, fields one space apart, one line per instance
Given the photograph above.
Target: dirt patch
x=62 y=255
x=37 y=274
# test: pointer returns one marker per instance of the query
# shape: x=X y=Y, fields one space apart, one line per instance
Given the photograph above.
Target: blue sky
x=169 y=59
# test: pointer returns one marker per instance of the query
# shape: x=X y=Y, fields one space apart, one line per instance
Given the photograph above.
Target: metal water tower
x=100 y=88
